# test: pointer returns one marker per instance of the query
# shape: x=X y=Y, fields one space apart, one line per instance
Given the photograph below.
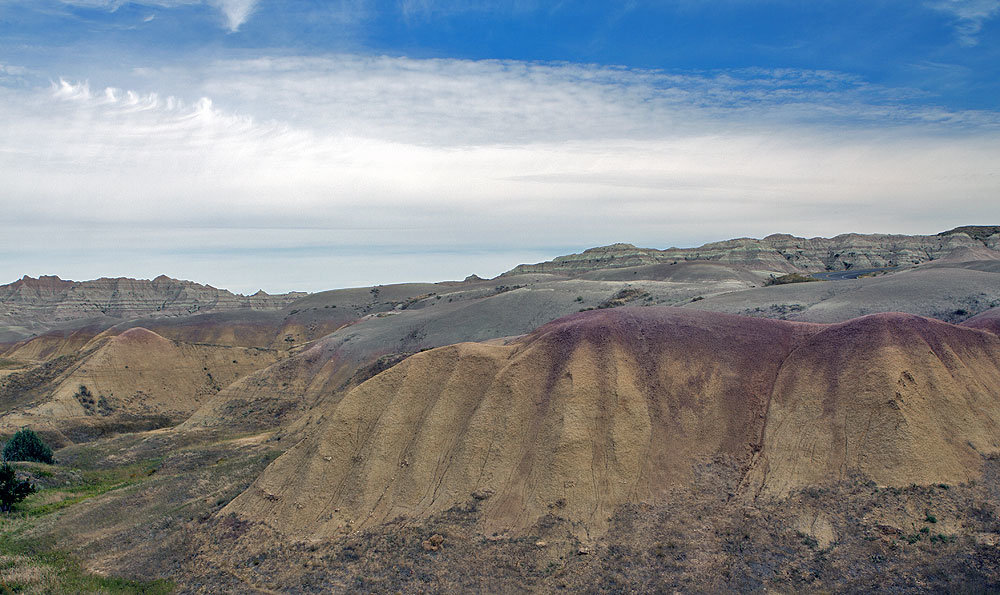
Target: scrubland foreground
x=617 y=421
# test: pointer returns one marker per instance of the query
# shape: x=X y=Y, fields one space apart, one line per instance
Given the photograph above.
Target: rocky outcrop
x=780 y=253
x=987 y=234
x=50 y=300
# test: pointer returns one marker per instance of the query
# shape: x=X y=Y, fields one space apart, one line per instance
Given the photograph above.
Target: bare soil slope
x=897 y=398
x=398 y=326
x=606 y=408
x=133 y=380
x=29 y=306
x=583 y=414
x=988 y=320
x=781 y=253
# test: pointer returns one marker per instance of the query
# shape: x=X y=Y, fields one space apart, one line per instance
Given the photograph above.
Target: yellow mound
x=899 y=398
x=587 y=413
x=612 y=407
x=139 y=375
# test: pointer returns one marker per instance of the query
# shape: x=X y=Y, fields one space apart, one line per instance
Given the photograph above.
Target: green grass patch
x=87 y=484
x=26 y=568
x=31 y=565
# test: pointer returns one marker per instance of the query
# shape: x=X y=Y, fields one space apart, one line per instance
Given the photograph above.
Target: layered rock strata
x=776 y=253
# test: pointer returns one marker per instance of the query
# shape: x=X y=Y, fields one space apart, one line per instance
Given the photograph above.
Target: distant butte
x=783 y=253
x=46 y=301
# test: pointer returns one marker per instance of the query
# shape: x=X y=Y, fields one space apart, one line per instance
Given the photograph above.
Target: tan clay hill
x=615 y=407
x=135 y=380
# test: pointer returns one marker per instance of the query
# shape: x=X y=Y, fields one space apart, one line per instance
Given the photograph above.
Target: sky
x=306 y=145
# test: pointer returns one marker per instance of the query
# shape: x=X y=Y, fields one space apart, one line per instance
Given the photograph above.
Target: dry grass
x=879 y=540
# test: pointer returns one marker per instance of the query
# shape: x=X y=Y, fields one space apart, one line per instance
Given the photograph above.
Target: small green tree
x=12 y=490
x=25 y=445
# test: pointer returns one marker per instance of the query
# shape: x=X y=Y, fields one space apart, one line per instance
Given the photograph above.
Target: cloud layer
x=300 y=161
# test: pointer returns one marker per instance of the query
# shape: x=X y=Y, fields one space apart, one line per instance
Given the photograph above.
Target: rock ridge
x=51 y=300
x=779 y=253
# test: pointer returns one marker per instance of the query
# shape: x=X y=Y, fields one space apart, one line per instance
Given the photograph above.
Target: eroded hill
x=603 y=409
x=133 y=381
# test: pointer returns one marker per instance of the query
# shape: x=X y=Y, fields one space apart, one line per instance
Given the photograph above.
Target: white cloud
x=348 y=154
x=235 y=12
x=969 y=16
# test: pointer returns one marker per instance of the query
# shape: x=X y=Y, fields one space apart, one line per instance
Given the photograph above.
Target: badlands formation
x=29 y=305
x=783 y=252
x=623 y=419
x=610 y=407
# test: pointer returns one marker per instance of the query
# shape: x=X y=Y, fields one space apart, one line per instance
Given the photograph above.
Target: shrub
x=12 y=490
x=789 y=278
x=25 y=445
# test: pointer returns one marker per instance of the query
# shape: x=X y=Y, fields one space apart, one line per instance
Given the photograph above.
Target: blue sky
x=311 y=145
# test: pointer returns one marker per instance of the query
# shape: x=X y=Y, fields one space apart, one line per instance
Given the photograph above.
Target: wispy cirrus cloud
x=461 y=102
x=969 y=16
x=234 y=12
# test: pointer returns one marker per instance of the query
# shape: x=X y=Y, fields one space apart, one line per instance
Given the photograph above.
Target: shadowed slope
x=988 y=320
x=612 y=407
x=55 y=343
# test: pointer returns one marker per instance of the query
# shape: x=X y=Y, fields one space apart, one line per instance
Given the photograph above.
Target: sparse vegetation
x=710 y=544
x=789 y=278
x=27 y=568
x=23 y=387
x=86 y=484
x=779 y=311
x=624 y=296
x=92 y=406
